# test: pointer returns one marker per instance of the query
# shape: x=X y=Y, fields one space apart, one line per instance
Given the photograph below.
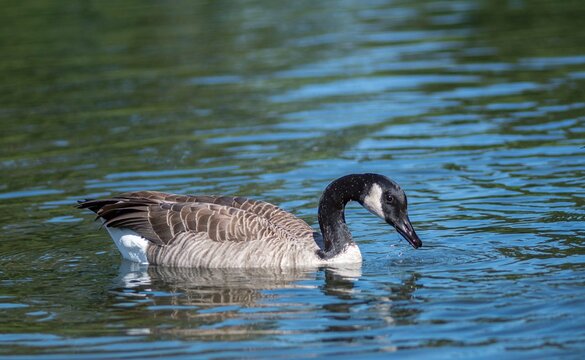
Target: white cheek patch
x=373 y=201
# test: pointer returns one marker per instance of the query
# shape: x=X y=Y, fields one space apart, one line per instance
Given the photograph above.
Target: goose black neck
x=336 y=234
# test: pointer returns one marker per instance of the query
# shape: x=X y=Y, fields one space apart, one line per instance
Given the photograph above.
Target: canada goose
x=222 y=231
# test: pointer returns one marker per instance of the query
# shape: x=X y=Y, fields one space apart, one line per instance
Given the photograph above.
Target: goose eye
x=389 y=198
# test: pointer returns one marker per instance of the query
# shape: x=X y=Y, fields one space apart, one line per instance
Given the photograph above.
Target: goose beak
x=404 y=228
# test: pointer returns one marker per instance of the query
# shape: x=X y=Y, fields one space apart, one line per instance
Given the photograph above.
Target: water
x=475 y=107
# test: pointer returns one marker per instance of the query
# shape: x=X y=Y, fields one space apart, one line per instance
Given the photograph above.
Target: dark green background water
x=476 y=107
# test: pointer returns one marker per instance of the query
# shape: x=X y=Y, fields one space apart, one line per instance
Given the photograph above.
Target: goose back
x=209 y=231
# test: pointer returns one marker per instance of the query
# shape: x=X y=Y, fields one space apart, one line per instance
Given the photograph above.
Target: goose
x=151 y=227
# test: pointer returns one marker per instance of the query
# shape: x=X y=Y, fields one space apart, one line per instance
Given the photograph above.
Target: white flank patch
x=373 y=201
x=131 y=245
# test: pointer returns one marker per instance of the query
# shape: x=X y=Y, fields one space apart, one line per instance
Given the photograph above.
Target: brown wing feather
x=160 y=217
x=270 y=212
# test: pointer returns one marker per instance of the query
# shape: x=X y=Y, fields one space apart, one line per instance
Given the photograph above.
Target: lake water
x=477 y=108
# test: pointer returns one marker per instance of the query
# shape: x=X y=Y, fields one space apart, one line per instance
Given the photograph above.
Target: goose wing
x=161 y=218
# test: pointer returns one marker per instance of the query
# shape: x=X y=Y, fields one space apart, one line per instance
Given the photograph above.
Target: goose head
x=385 y=199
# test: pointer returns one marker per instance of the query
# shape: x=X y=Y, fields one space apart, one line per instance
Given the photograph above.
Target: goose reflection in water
x=205 y=286
x=238 y=304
